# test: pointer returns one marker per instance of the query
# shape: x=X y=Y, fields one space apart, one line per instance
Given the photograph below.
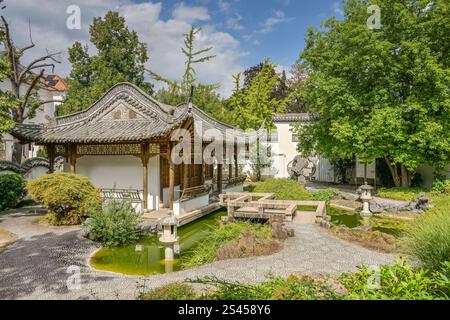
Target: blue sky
x=265 y=28
x=242 y=32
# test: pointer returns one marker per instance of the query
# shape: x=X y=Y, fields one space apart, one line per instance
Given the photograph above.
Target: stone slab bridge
x=248 y=205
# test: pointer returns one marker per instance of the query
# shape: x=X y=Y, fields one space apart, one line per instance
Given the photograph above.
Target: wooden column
x=186 y=174
x=145 y=155
x=51 y=157
x=203 y=167
x=73 y=158
x=171 y=176
x=236 y=166
x=219 y=178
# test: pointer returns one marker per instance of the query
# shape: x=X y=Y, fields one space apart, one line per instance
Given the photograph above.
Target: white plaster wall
x=121 y=172
x=36 y=172
x=183 y=207
x=176 y=196
x=285 y=149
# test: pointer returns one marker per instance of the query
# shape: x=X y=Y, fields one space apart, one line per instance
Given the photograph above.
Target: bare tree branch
x=32 y=64
x=10 y=48
x=31 y=39
x=27 y=95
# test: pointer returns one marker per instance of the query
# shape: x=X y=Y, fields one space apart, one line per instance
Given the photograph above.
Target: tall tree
x=120 y=57
x=295 y=85
x=381 y=93
x=177 y=92
x=254 y=105
x=6 y=100
x=22 y=99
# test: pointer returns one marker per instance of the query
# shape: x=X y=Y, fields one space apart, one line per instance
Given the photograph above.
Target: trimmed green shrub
x=428 y=237
x=174 y=291
x=115 y=225
x=12 y=190
x=67 y=196
x=441 y=186
x=288 y=189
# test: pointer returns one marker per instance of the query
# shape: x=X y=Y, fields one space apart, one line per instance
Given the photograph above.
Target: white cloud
x=234 y=23
x=224 y=6
x=279 y=17
x=163 y=37
x=190 y=14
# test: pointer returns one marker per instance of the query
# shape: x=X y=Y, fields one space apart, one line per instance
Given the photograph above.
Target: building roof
x=292 y=117
x=123 y=114
x=53 y=82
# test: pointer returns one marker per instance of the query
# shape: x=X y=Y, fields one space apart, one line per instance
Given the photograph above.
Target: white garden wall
x=121 y=172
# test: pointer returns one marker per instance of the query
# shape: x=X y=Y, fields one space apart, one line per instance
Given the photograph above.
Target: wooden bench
x=194 y=192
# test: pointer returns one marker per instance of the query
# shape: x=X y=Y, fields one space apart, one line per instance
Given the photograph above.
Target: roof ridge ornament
x=191 y=97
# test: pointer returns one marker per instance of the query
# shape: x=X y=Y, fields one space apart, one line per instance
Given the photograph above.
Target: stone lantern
x=366 y=196
x=169 y=235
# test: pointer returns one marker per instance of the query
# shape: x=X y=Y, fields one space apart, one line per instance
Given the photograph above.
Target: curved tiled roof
x=151 y=119
x=10 y=166
x=292 y=117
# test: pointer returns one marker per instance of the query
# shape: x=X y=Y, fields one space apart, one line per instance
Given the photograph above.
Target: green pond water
x=146 y=257
x=351 y=219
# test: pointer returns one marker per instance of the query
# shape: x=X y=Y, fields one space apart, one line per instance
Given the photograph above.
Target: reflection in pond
x=379 y=223
x=147 y=256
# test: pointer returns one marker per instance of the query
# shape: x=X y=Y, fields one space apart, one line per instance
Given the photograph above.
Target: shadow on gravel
x=41 y=262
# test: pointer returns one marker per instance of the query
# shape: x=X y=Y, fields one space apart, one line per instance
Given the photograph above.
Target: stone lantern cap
x=170 y=220
x=365 y=186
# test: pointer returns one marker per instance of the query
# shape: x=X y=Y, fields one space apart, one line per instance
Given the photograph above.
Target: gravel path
x=35 y=266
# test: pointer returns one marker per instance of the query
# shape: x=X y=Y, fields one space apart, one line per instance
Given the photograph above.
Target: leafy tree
x=21 y=101
x=6 y=100
x=253 y=106
x=295 y=84
x=381 y=93
x=120 y=58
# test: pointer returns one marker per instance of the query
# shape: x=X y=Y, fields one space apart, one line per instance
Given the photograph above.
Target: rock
x=147 y=227
x=350 y=196
x=278 y=231
x=290 y=232
x=423 y=204
x=376 y=208
x=86 y=229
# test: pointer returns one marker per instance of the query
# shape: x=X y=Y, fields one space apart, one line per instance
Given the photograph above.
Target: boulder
x=423 y=204
x=376 y=208
x=350 y=196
